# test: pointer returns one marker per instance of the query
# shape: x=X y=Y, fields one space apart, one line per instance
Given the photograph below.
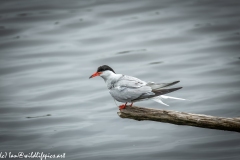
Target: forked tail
x=159 y=99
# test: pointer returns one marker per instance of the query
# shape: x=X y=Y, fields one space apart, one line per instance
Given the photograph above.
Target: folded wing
x=128 y=88
x=156 y=86
x=131 y=89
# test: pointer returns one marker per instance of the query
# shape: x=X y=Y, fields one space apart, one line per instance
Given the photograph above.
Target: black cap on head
x=104 y=68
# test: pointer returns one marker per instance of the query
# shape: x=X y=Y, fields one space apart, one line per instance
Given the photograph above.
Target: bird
x=128 y=89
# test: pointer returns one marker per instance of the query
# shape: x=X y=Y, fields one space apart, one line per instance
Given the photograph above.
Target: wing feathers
x=157 y=93
x=131 y=89
x=156 y=86
x=164 y=91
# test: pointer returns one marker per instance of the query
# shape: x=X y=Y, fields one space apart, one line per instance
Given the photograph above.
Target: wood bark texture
x=181 y=118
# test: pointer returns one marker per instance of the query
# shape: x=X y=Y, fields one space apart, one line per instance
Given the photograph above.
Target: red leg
x=122 y=106
x=131 y=104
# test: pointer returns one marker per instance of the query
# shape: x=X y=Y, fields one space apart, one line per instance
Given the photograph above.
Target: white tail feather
x=159 y=99
x=168 y=97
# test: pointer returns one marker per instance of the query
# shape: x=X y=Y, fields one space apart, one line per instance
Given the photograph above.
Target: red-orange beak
x=95 y=74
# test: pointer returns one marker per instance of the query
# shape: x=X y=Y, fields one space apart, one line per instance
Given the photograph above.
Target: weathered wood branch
x=181 y=118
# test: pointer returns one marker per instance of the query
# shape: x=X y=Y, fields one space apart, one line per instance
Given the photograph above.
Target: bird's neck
x=111 y=79
x=108 y=75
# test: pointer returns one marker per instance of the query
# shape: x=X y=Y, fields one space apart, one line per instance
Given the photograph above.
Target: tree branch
x=181 y=118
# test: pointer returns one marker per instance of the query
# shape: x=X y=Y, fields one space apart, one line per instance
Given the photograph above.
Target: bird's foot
x=122 y=107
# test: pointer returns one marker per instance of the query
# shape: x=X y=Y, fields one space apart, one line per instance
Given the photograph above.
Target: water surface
x=48 y=49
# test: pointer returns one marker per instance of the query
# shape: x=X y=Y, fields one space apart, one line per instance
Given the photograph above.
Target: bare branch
x=181 y=118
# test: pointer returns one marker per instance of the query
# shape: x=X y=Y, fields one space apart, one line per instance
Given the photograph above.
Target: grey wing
x=130 y=82
x=129 y=88
x=156 y=93
x=125 y=94
x=158 y=89
x=157 y=86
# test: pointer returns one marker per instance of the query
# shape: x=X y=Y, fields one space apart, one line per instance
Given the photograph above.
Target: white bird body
x=129 y=89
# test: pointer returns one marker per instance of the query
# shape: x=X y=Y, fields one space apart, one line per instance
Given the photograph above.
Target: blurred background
x=48 y=50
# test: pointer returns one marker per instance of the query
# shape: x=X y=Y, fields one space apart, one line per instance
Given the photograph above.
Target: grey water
x=48 y=49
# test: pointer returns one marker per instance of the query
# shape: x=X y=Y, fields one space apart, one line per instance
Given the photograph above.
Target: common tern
x=129 y=89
